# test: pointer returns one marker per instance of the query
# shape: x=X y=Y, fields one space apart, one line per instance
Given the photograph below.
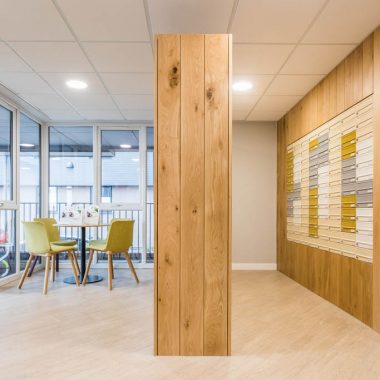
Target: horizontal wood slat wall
x=344 y=281
x=192 y=195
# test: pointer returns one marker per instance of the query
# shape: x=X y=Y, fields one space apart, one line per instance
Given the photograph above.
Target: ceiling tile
x=273 y=21
x=196 y=16
x=138 y=114
x=9 y=61
x=120 y=57
x=102 y=114
x=25 y=83
x=58 y=81
x=129 y=83
x=265 y=115
x=67 y=114
x=43 y=101
x=134 y=101
x=239 y=114
x=276 y=103
x=31 y=21
x=345 y=21
x=56 y=57
x=111 y=20
x=315 y=59
x=293 y=84
x=242 y=101
x=87 y=101
x=259 y=59
x=259 y=83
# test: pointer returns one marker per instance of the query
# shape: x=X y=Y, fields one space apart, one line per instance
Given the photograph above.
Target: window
x=150 y=194
x=106 y=194
x=70 y=167
x=30 y=201
x=5 y=154
x=8 y=260
x=121 y=165
x=70 y=171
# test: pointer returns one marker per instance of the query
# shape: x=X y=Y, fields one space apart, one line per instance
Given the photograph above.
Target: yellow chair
x=54 y=238
x=38 y=244
x=119 y=240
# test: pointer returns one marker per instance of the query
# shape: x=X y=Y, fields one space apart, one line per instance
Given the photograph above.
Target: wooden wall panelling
x=281 y=195
x=368 y=45
x=216 y=194
x=192 y=193
x=168 y=195
x=229 y=268
x=344 y=281
x=376 y=190
x=340 y=90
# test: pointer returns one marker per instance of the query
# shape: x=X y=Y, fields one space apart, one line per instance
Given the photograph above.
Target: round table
x=82 y=226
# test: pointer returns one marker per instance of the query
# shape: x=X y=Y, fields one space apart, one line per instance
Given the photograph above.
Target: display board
x=330 y=184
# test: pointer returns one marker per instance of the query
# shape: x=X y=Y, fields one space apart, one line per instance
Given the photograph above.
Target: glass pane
x=149 y=196
x=120 y=167
x=29 y=177
x=5 y=154
x=70 y=172
x=7 y=243
x=137 y=215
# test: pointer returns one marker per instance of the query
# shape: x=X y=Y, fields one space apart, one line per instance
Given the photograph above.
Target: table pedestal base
x=90 y=279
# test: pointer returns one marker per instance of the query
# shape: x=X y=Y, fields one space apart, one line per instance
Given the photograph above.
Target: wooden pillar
x=376 y=184
x=192 y=195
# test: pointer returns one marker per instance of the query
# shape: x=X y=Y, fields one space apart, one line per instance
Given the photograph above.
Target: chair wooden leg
x=46 y=280
x=131 y=267
x=31 y=269
x=109 y=254
x=70 y=254
x=76 y=262
x=25 y=271
x=88 y=267
x=52 y=271
x=113 y=274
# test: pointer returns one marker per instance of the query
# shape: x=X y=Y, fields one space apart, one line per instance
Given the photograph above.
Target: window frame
x=142 y=157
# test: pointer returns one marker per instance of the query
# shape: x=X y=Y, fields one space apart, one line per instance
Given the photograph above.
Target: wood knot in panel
x=210 y=95
x=173 y=77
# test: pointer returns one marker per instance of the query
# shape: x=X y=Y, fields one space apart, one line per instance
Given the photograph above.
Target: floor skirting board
x=254 y=266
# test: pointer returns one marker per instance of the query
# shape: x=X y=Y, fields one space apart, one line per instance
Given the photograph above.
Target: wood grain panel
x=216 y=194
x=344 y=281
x=192 y=193
x=368 y=66
x=168 y=194
x=376 y=184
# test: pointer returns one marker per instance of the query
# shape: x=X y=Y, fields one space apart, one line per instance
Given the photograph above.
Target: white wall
x=254 y=173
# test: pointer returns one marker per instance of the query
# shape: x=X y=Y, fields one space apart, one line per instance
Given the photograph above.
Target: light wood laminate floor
x=280 y=330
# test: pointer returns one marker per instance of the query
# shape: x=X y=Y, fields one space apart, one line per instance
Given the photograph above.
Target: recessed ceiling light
x=77 y=84
x=27 y=145
x=242 y=86
x=125 y=146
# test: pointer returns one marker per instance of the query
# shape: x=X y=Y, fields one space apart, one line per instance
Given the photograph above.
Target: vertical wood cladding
x=192 y=194
x=342 y=280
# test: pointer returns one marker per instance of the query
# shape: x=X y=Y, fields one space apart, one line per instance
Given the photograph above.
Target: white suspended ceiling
x=284 y=47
